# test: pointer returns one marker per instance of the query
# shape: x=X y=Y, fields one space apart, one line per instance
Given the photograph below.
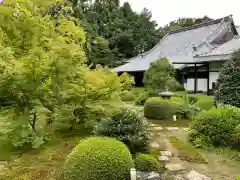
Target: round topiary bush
x=162 y=109
x=227 y=86
x=98 y=158
x=146 y=163
x=127 y=126
x=127 y=96
x=217 y=127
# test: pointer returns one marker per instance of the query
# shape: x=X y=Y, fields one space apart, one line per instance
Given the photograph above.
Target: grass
x=186 y=151
x=43 y=164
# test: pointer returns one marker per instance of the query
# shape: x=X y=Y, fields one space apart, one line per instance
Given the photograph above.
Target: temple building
x=197 y=52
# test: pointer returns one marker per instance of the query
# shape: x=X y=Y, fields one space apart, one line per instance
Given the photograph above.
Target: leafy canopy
x=160 y=74
x=43 y=76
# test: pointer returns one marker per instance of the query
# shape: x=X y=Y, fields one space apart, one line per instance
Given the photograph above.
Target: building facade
x=197 y=52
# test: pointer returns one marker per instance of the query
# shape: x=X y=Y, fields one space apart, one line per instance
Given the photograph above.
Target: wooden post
x=195 y=78
x=208 y=80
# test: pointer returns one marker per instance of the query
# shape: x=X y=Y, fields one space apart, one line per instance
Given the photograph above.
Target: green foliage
x=186 y=151
x=98 y=158
x=228 y=83
x=126 y=81
x=126 y=126
x=100 y=52
x=44 y=79
x=128 y=32
x=217 y=127
x=127 y=96
x=162 y=109
x=142 y=98
x=146 y=163
x=160 y=74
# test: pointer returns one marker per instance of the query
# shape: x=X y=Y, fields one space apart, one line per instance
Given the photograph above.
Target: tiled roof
x=177 y=46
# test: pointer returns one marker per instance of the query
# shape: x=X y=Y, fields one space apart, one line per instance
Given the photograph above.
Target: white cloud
x=168 y=10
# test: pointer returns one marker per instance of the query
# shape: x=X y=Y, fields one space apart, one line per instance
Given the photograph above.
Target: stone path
x=170 y=158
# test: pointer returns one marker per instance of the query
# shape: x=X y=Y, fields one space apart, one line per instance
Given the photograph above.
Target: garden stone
x=172 y=128
x=3 y=164
x=155 y=145
x=163 y=158
x=193 y=175
x=154 y=125
x=166 y=153
x=158 y=128
x=148 y=175
x=174 y=167
x=178 y=177
x=153 y=176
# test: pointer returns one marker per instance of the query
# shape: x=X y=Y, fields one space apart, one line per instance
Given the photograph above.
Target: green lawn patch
x=186 y=151
x=44 y=163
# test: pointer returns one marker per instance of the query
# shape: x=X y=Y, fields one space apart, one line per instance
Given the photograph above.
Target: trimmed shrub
x=179 y=100
x=163 y=109
x=217 y=127
x=142 y=98
x=146 y=163
x=126 y=126
x=127 y=96
x=227 y=86
x=98 y=158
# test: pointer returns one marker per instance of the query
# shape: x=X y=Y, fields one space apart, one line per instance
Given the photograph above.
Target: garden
x=64 y=119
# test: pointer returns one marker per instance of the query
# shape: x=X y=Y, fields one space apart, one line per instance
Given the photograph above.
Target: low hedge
x=162 y=109
x=217 y=127
x=146 y=163
x=98 y=158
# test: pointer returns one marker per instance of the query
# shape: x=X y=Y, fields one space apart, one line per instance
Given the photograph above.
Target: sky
x=168 y=10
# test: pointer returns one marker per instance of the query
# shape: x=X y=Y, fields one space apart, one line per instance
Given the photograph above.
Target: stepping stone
x=155 y=145
x=193 y=175
x=3 y=164
x=174 y=167
x=186 y=129
x=163 y=158
x=154 y=125
x=166 y=153
x=178 y=177
x=172 y=128
x=153 y=176
x=158 y=128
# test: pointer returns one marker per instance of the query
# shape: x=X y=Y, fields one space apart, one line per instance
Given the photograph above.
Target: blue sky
x=165 y=11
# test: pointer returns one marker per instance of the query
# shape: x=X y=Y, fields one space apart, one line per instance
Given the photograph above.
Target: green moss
x=204 y=102
x=186 y=151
